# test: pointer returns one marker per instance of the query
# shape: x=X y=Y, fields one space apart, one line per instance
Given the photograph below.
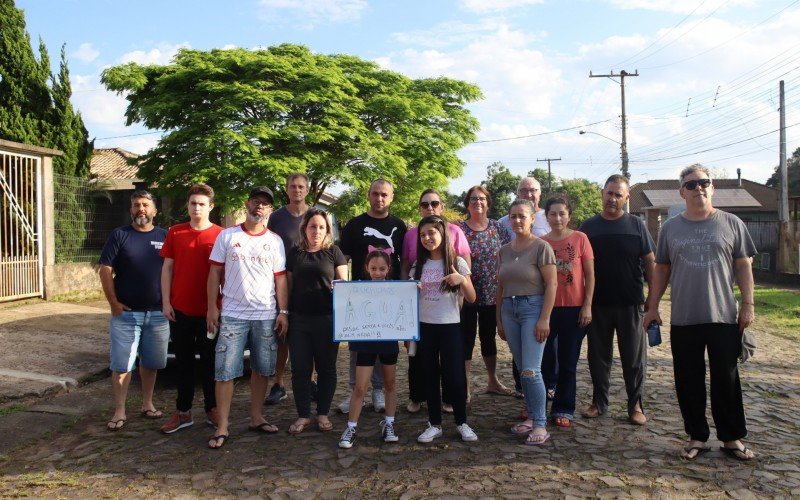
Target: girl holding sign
x=377 y=265
x=442 y=275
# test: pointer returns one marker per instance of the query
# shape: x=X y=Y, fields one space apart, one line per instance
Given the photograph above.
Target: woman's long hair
x=327 y=242
x=449 y=254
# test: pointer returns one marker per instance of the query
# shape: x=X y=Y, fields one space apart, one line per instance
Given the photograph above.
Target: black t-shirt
x=285 y=225
x=363 y=231
x=618 y=247
x=135 y=258
x=312 y=274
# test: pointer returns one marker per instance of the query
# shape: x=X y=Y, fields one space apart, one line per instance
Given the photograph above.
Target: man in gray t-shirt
x=700 y=253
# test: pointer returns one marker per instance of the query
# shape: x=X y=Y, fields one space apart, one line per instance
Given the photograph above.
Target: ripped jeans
x=520 y=314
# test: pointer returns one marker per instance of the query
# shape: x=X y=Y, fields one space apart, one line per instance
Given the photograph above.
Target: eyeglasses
x=528 y=190
x=476 y=199
x=260 y=203
x=692 y=185
x=430 y=204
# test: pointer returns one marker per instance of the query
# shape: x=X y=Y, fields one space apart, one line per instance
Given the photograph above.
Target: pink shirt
x=457 y=238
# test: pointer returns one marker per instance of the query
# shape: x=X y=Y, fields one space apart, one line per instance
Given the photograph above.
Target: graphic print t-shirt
x=571 y=252
x=435 y=306
x=365 y=231
x=251 y=263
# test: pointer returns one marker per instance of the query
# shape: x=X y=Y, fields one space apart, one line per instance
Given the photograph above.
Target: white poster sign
x=375 y=310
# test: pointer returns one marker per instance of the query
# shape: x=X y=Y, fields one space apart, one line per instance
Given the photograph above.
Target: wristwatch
x=283 y=311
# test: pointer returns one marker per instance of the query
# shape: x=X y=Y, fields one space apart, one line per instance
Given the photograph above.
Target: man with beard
x=255 y=298
x=623 y=252
x=130 y=272
x=374 y=229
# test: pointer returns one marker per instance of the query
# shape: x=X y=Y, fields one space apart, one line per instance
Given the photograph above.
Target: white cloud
x=484 y=6
x=86 y=53
x=162 y=54
x=309 y=13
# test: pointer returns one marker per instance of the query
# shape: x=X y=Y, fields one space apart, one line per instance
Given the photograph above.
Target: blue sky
x=707 y=89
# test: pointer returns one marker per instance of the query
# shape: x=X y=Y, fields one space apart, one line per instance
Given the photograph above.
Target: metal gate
x=20 y=227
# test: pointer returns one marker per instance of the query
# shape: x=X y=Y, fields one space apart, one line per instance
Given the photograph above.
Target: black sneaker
x=314 y=388
x=348 y=438
x=276 y=395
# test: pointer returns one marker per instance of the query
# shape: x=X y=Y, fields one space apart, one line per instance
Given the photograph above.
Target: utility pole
x=549 y=172
x=624 y=144
x=784 y=194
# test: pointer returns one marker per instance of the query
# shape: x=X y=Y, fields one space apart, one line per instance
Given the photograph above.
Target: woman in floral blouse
x=485 y=237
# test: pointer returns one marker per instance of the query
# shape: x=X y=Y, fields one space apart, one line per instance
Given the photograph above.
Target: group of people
x=529 y=278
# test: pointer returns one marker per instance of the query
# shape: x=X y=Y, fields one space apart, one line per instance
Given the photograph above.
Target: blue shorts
x=236 y=334
x=142 y=332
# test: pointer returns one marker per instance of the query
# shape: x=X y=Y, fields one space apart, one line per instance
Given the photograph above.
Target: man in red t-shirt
x=184 y=302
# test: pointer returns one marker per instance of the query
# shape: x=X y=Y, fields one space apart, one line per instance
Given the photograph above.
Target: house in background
x=756 y=204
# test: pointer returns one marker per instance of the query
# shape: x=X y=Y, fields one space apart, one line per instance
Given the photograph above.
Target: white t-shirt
x=435 y=306
x=540 y=225
x=251 y=263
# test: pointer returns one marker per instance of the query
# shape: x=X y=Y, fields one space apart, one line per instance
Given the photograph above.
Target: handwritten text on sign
x=375 y=310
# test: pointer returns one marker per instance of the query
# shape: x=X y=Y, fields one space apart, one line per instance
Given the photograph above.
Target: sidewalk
x=602 y=457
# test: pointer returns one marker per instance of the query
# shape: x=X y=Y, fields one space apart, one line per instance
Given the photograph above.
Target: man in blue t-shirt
x=130 y=272
x=623 y=259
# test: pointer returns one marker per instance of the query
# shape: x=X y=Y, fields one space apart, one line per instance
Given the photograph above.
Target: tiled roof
x=766 y=196
x=112 y=163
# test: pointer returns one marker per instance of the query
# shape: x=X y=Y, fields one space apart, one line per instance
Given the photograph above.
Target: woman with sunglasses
x=485 y=237
x=430 y=203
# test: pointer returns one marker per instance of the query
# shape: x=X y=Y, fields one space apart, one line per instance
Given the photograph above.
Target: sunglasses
x=430 y=204
x=476 y=199
x=692 y=185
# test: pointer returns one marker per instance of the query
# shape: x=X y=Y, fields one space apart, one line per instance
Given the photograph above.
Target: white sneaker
x=413 y=407
x=344 y=406
x=387 y=432
x=447 y=408
x=431 y=433
x=378 y=400
x=467 y=434
x=348 y=438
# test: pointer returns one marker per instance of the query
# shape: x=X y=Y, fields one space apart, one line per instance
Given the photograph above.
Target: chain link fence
x=85 y=214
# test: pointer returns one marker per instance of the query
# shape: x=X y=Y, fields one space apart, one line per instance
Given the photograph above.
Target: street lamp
x=623 y=150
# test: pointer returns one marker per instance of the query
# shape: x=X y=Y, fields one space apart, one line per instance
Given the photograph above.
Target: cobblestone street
x=605 y=457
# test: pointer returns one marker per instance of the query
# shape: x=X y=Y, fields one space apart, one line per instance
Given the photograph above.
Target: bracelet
x=748 y=303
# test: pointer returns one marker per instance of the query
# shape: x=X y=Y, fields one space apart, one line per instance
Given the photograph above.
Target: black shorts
x=368 y=358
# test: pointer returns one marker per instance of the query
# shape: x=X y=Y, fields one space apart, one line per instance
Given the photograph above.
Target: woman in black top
x=312 y=266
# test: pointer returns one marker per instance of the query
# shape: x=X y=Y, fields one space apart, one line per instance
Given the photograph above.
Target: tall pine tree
x=31 y=111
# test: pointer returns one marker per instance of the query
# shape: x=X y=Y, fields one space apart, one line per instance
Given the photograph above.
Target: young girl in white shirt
x=442 y=275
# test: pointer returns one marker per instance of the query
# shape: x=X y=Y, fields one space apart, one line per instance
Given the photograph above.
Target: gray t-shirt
x=701 y=255
x=435 y=306
x=287 y=226
x=519 y=271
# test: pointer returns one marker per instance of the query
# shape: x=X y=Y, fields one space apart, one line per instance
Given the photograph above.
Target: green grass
x=8 y=410
x=777 y=311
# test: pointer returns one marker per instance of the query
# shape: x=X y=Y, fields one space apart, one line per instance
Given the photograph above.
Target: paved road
x=605 y=457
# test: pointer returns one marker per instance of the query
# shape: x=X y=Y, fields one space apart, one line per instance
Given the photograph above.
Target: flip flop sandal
x=115 y=425
x=263 y=428
x=563 y=422
x=519 y=429
x=325 y=426
x=152 y=414
x=298 y=428
x=699 y=449
x=505 y=391
x=518 y=394
x=218 y=440
x=734 y=453
x=537 y=439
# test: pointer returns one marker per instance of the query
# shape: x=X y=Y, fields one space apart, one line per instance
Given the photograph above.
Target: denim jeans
x=142 y=332
x=234 y=336
x=568 y=337
x=520 y=315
